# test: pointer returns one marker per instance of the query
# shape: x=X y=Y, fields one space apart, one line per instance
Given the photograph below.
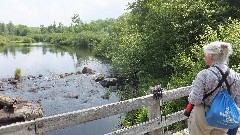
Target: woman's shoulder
x=205 y=72
x=213 y=71
x=234 y=74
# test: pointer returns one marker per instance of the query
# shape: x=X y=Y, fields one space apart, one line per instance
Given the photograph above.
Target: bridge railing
x=153 y=126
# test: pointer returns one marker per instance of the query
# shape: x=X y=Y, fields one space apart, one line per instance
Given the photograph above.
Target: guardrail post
x=154 y=110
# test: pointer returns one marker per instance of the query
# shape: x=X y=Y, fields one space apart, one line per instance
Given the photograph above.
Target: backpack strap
x=224 y=79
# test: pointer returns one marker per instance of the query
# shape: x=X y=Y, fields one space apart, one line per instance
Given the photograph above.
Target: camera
x=188 y=109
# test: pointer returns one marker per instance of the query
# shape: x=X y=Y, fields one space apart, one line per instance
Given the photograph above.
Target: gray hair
x=219 y=50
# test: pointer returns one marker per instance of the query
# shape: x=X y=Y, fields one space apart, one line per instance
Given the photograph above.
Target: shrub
x=18 y=73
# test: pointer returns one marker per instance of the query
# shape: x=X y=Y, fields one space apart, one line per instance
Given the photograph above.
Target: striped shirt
x=207 y=80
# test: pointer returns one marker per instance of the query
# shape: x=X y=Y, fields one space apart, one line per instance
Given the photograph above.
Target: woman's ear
x=212 y=58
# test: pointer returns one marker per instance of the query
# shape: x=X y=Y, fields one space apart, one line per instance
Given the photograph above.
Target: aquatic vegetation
x=18 y=73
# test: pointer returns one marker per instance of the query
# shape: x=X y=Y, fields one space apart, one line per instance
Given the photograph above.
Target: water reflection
x=35 y=59
x=50 y=61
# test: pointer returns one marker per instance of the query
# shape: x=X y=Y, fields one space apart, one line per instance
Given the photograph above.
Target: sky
x=34 y=13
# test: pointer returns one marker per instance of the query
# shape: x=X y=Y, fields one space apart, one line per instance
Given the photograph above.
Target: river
x=49 y=62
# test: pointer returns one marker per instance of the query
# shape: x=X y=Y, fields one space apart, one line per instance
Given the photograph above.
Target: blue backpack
x=223 y=112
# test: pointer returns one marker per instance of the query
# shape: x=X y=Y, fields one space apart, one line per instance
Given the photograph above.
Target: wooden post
x=154 y=112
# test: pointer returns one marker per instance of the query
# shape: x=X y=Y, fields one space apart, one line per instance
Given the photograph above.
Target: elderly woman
x=215 y=54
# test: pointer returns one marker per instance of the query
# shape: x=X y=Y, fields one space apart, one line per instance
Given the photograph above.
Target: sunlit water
x=50 y=62
x=42 y=60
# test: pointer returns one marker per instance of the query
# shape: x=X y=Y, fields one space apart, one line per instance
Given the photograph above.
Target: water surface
x=51 y=61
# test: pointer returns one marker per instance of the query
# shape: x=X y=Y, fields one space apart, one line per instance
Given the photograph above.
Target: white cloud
x=37 y=12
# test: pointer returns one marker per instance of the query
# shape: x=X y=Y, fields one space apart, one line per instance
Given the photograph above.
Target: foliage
x=19 y=39
x=227 y=33
x=84 y=39
x=108 y=93
x=135 y=117
x=3 y=40
x=194 y=63
x=158 y=42
x=18 y=73
x=22 y=30
x=162 y=40
x=148 y=41
x=85 y=35
x=182 y=20
x=3 y=28
x=76 y=20
x=121 y=46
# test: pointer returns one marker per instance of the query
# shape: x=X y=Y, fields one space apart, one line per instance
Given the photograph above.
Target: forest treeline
x=157 y=42
x=85 y=35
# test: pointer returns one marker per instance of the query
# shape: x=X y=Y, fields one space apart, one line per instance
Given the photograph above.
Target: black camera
x=188 y=109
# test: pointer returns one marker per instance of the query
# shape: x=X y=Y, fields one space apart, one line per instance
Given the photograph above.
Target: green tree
x=60 y=28
x=52 y=28
x=22 y=30
x=76 y=20
x=160 y=41
x=3 y=29
x=11 y=28
x=150 y=38
x=43 y=30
